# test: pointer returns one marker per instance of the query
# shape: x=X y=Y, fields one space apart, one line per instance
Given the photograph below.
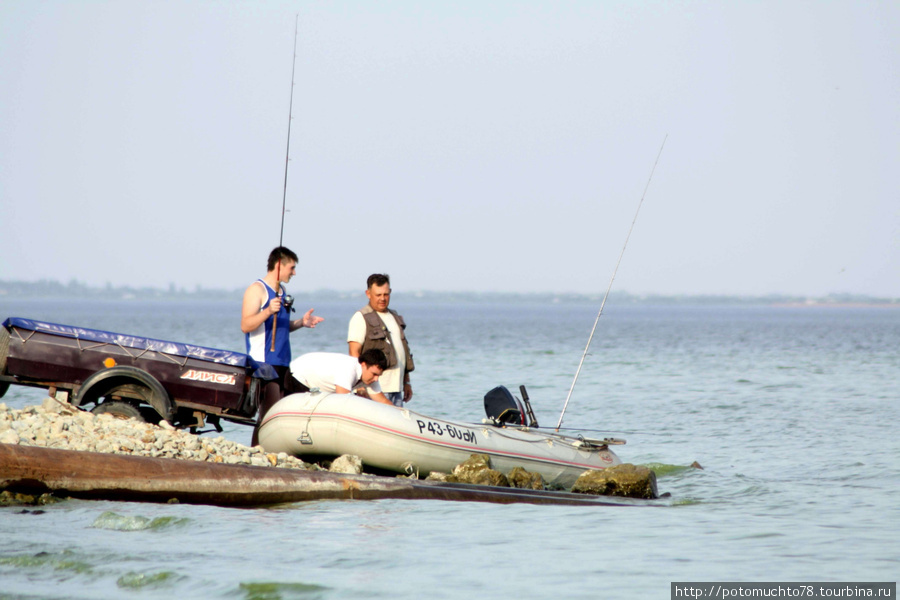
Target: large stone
x=630 y=481
x=520 y=478
x=348 y=463
x=52 y=405
x=477 y=470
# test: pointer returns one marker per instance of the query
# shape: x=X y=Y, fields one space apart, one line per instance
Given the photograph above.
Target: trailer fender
x=104 y=381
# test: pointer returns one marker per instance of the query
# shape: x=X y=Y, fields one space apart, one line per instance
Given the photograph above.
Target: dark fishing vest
x=378 y=336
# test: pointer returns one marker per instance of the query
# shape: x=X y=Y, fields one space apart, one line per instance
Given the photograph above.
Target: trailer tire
x=119 y=409
x=4 y=387
x=129 y=381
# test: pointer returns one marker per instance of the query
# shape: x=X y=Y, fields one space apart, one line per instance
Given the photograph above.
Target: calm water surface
x=791 y=411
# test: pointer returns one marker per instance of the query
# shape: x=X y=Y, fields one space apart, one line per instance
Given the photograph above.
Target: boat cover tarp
x=132 y=341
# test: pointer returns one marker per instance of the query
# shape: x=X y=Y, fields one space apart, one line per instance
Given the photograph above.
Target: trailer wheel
x=119 y=409
x=121 y=384
x=4 y=386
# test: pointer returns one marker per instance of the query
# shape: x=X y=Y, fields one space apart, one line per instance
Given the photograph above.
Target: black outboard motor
x=503 y=408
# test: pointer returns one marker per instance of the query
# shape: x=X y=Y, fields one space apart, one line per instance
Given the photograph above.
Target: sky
x=458 y=146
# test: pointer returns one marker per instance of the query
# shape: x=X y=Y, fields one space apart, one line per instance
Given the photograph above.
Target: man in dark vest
x=376 y=326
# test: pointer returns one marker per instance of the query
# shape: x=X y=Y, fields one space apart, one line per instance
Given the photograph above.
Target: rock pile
x=477 y=470
x=626 y=480
x=56 y=424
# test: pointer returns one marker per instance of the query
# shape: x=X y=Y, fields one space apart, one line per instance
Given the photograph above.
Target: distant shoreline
x=884 y=304
x=17 y=290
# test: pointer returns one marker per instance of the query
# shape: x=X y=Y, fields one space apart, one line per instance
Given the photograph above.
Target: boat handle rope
x=305 y=438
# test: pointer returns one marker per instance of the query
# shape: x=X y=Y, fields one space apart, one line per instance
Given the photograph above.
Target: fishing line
x=602 y=304
x=287 y=156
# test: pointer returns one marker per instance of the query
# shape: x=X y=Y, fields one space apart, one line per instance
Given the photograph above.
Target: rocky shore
x=55 y=424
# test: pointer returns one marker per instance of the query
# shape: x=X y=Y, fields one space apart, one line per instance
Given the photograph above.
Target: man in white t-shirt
x=377 y=326
x=342 y=374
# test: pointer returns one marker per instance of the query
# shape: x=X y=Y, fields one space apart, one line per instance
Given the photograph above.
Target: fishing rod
x=287 y=158
x=615 y=270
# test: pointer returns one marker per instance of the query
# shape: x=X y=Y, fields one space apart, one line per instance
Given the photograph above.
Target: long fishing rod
x=287 y=158
x=602 y=304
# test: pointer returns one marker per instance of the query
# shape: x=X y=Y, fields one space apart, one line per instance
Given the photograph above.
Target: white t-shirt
x=392 y=379
x=325 y=370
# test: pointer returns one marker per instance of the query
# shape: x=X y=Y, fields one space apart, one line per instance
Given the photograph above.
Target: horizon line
x=47 y=287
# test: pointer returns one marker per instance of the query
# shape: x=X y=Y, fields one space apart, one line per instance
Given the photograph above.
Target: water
x=792 y=413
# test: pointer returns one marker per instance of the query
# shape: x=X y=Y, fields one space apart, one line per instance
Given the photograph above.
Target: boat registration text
x=446 y=429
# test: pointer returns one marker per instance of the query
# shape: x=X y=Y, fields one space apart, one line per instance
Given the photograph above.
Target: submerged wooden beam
x=91 y=475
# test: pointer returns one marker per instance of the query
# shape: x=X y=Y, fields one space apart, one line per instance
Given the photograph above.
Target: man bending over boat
x=342 y=374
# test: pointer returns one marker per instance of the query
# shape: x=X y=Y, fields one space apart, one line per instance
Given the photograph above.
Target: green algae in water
x=116 y=522
x=64 y=561
x=146 y=580
x=662 y=469
x=282 y=591
x=687 y=502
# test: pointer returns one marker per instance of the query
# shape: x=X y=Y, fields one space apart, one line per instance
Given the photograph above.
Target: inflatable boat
x=321 y=425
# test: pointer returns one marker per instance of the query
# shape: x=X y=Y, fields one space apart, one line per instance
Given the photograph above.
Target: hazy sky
x=484 y=146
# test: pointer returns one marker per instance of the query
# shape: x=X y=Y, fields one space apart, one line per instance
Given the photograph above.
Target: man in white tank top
x=267 y=325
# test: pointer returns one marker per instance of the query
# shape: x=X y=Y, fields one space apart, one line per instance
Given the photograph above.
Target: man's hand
x=380 y=397
x=309 y=320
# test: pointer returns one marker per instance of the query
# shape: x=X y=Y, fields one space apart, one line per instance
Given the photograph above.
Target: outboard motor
x=503 y=408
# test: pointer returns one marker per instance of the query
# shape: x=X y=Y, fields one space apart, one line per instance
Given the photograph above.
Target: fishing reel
x=288 y=302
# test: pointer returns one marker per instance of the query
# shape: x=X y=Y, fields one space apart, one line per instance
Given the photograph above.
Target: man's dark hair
x=279 y=254
x=374 y=358
x=377 y=279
